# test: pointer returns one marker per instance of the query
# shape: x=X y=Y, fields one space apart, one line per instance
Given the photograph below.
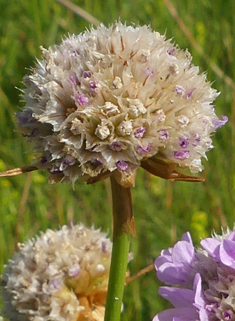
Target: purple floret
x=220 y=122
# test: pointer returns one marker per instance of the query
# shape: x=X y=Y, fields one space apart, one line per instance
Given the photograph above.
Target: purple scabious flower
x=201 y=280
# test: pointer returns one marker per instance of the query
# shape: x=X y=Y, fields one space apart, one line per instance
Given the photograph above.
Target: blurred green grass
x=163 y=210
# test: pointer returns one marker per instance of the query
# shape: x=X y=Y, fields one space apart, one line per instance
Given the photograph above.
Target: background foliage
x=163 y=210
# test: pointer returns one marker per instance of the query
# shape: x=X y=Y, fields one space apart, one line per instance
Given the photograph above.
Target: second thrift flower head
x=108 y=100
x=202 y=279
x=59 y=276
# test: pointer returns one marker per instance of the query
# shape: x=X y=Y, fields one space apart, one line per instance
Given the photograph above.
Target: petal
x=178 y=314
x=187 y=237
x=227 y=253
x=178 y=297
x=183 y=253
x=203 y=315
x=199 y=298
x=160 y=260
x=171 y=274
x=174 y=265
x=211 y=245
x=231 y=236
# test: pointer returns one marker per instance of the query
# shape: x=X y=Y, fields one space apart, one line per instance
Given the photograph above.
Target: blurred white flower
x=108 y=100
x=59 y=276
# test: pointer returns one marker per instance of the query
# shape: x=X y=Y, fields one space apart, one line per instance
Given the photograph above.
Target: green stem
x=123 y=225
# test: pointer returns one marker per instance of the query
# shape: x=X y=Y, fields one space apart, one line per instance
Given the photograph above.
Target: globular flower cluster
x=105 y=101
x=59 y=276
x=202 y=280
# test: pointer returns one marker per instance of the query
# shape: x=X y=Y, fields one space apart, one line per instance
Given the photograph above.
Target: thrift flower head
x=202 y=279
x=61 y=276
x=108 y=100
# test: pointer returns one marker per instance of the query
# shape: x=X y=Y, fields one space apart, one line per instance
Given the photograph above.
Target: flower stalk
x=123 y=226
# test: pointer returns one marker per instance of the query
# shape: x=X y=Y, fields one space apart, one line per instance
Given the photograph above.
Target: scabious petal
x=227 y=253
x=187 y=238
x=165 y=257
x=170 y=274
x=180 y=314
x=211 y=245
x=183 y=252
x=114 y=95
x=231 y=236
x=198 y=293
x=178 y=297
x=174 y=266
